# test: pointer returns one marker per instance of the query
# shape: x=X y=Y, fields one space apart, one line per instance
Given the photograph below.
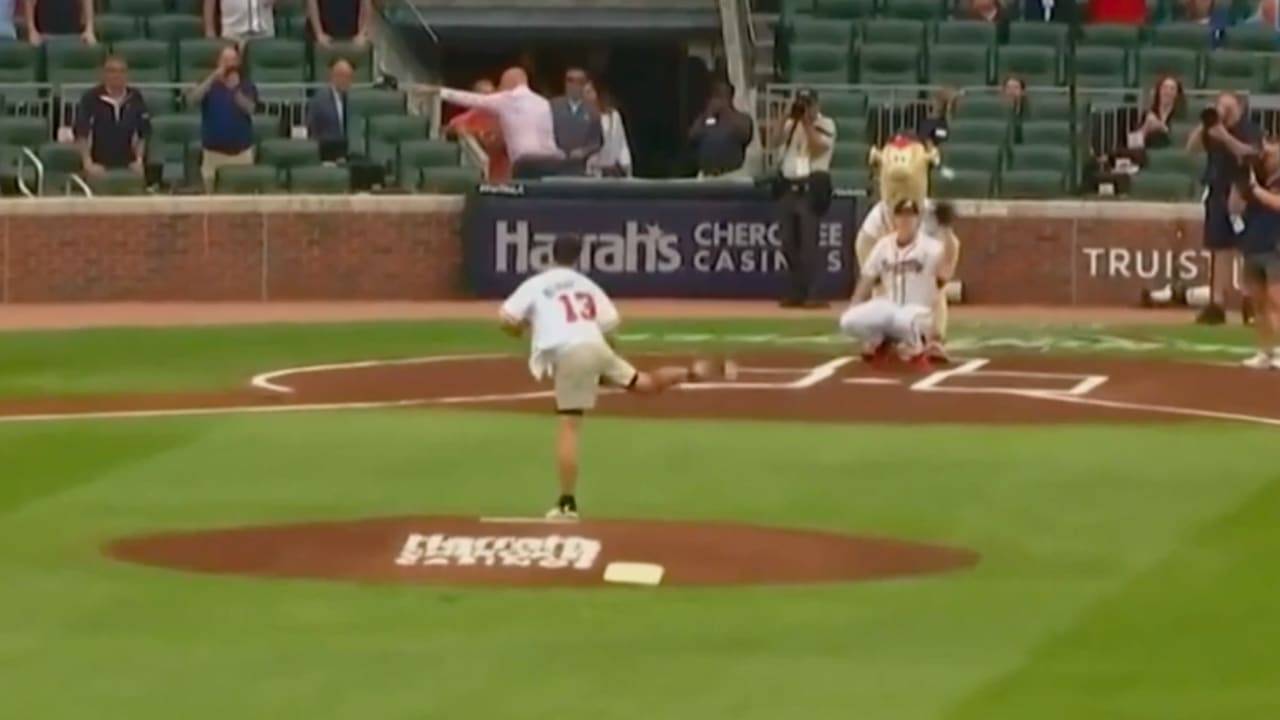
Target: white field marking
x=822 y=372
x=771 y=370
x=1085 y=384
x=266 y=380
x=871 y=381
x=1088 y=385
x=932 y=381
x=734 y=386
x=1144 y=407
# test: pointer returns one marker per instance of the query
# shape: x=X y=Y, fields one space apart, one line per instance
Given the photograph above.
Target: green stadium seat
x=60 y=160
x=246 y=180
x=1156 y=62
x=811 y=31
x=850 y=180
x=959 y=65
x=363 y=103
x=981 y=107
x=386 y=132
x=1102 y=67
x=1032 y=184
x=361 y=59
x=149 y=60
x=277 y=60
x=1234 y=70
x=413 y=156
x=966 y=32
x=117 y=182
x=285 y=153
x=187 y=7
x=1161 y=186
x=111 y=28
x=1256 y=37
x=160 y=101
x=844 y=9
x=972 y=156
x=73 y=62
x=1113 y=35
x=926 y=10
x=979 y=131
x=819 y=64
x=1054 y=107
x=19 y=63
x=1047 y=132
x=1035 y=65
x=320 y=180
x=266 y=127
x=450 y=180
x=1038 y=34
x=964 y=184
x=175 y=146
x=291 y=21
x=845 y=104
x=197 y=58
x=137 y=8
x=25 y=131
x=889 y=64
x=174 y=28
x=1175 y=160
x=886 y=31
x=850 y=154
x=1041 y=157
x=1184 y=35
x=851 y=127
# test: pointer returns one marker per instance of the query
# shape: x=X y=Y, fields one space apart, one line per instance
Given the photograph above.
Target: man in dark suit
x=327 y=112
x=577 y=125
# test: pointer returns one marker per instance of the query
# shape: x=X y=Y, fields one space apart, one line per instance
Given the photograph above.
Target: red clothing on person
x=1120 y=12
x=483 y=126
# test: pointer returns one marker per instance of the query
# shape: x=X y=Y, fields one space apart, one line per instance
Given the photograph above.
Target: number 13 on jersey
x=577 y=306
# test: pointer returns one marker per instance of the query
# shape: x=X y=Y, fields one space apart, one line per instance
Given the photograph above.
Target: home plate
x=633 y=573
x=871 y=381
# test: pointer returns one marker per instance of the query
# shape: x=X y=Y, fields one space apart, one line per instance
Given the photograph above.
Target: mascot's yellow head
x=903 y=166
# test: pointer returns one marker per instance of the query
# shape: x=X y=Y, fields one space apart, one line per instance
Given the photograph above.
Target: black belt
x=798 y=186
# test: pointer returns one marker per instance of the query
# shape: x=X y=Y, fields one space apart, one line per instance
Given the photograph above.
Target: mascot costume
x=903 y=167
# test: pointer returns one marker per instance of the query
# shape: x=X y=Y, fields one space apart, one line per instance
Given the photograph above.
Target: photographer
x=805 y=139
x=1230 y=142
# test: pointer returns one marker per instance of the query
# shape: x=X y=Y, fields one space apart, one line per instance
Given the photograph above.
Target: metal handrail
x=26 y=155
x=80 y=184
x=472 y=148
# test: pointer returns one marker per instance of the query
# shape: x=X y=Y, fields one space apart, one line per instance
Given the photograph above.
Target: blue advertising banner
x=651 y=244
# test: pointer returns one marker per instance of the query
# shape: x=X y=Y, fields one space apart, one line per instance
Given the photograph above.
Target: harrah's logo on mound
x=644 y=248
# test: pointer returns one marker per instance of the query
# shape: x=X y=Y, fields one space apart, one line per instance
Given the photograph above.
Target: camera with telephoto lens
x=1209 y=117
x=804 y=99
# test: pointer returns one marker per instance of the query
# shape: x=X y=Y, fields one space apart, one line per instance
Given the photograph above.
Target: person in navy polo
x=227 y=100
x=112 y=123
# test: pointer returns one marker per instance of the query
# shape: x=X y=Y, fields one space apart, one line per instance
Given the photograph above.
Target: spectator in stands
x=343 y=20
x=614 y=157
x=721 y=134
x=1229 y=144
x=525 y=117
x=1049 y=10
x=8 y=14
x=1205 y=12
x=1266 y=13
x=577 y=124
x=239 y=20
x=1013 y=91
x=227 y=101
x=990 y=11
x=112 y=123
x=47 y=18
x=1118 y=12
x=1168 y=106
x=933 y=128
x=482 y=127
x=327 y=111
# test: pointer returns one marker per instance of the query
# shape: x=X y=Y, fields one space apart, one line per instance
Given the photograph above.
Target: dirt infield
x=531 y=552
x=773 y=386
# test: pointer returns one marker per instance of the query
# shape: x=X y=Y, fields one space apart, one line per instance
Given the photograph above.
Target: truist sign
x=722 y=245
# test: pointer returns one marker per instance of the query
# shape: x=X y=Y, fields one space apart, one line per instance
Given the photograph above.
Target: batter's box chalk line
x=976 y=368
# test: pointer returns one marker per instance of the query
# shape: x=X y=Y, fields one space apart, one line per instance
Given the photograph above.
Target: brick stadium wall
x=300 y=248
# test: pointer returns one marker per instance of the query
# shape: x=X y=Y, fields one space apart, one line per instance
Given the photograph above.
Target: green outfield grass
x=1127 y=573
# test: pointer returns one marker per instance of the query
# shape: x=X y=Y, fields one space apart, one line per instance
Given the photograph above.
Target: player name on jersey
x=552 y=552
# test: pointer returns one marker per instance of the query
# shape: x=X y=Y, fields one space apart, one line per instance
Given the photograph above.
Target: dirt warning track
x=773 y=386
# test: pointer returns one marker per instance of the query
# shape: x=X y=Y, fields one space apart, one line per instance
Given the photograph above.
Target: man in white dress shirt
x=239 y=20
x=806 y=140
x=526 y=122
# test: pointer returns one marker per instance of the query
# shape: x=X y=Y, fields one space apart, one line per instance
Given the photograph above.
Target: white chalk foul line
x=1146 y=407
x=818 y=374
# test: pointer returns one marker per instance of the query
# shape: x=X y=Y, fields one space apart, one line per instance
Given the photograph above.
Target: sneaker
x=1212 y=315
x=920 y=362
x=713 y=368
x=1263 y=361
x=877 y=354
x=566 y=509
x=1246 y=312
x=937 y=353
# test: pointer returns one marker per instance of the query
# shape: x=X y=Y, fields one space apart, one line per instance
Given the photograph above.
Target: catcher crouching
x=903 y=166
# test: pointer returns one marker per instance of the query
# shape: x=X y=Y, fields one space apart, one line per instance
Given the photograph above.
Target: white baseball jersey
x=879 y=220
x=563 y=308
x=908 y=273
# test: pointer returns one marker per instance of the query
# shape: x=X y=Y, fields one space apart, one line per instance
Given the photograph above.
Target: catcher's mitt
x=945 y=212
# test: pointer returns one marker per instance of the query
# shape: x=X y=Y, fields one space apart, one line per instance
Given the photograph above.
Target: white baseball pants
x=877 y=320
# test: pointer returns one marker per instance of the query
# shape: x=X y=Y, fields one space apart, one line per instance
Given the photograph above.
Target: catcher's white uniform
x=908 y=275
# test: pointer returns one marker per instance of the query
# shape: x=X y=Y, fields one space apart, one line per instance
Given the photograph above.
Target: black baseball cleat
x=1247 y=313
x=566 y=509
x=1212 y=314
